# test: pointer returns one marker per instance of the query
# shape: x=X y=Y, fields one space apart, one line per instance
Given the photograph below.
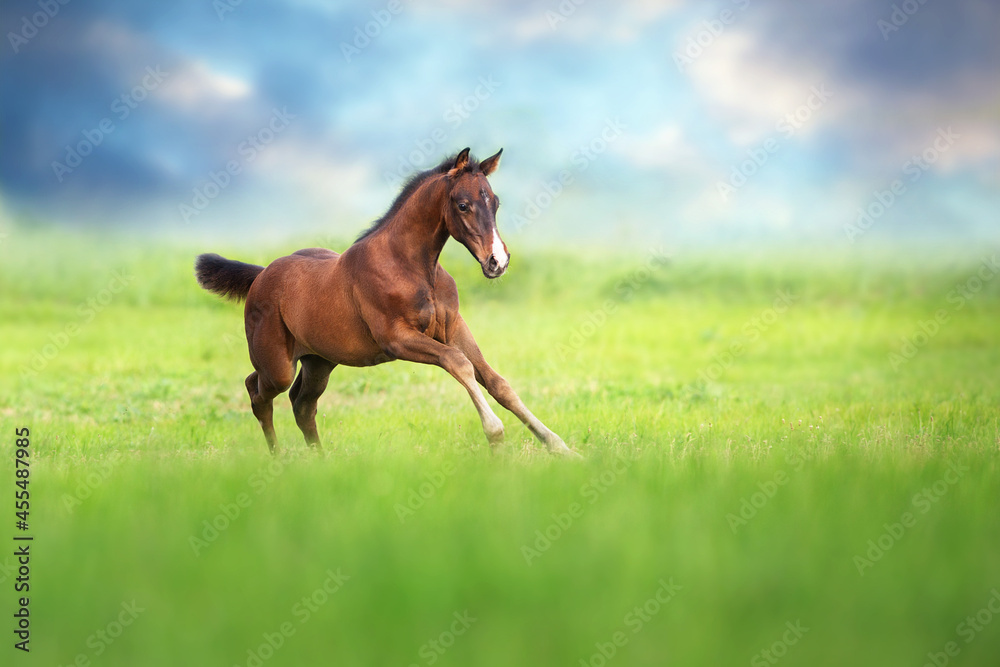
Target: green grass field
x=787 y=462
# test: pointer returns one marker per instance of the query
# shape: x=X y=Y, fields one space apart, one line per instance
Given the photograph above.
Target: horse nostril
x=492 y=263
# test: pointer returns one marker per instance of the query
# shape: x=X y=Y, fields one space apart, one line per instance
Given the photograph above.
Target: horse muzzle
x=492 y=268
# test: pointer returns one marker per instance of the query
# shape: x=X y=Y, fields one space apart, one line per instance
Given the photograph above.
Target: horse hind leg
x=262 y=388
x=305 y=392
x=263 y=409
x=270 y=347
x=262 y=393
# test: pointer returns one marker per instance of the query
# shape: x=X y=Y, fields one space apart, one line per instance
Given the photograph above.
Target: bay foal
x=385 y=298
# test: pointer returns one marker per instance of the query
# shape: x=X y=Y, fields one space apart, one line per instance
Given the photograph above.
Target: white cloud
x=751 y=92
x=326 y=183
x=191 y=85
x=746 y=87
x=120 y=43
x=197 y=87
x=977 y=141
x=662 y=147
x=571 y=20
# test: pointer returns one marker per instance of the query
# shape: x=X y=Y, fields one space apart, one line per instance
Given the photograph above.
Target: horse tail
x=225 y=277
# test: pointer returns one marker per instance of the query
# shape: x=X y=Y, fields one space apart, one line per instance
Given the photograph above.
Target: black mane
x=411 y=186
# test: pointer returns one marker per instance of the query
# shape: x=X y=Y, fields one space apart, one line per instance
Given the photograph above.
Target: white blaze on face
x=498 y=251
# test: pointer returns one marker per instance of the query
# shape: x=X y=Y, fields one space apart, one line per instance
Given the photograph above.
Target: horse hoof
x=494 y=432
x=558 y=447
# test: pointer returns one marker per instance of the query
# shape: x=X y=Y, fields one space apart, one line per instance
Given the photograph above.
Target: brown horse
x=385 y=298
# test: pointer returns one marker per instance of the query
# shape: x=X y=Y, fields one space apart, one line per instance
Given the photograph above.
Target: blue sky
x=620 y=122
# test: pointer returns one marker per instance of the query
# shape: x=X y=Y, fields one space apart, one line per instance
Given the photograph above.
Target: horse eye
x=463 y=207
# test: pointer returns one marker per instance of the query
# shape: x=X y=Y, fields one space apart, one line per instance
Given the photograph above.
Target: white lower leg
x=552 y=441
x=492 y=426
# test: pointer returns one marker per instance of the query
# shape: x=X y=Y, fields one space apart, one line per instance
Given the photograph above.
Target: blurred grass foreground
x=787 y=460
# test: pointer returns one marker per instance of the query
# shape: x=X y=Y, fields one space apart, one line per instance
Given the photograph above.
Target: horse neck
x=417 y=233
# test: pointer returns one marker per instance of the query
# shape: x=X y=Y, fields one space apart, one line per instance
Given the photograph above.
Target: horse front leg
x=462 y=340
x=411 y=345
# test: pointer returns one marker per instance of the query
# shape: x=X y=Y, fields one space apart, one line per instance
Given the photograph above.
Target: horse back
x=318 y=253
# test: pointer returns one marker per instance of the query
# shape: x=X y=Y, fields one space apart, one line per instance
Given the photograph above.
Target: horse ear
x=490 y=164
x=461 y=160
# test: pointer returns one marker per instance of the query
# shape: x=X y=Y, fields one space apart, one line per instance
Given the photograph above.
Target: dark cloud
x=391 y=92
x=930 y=48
